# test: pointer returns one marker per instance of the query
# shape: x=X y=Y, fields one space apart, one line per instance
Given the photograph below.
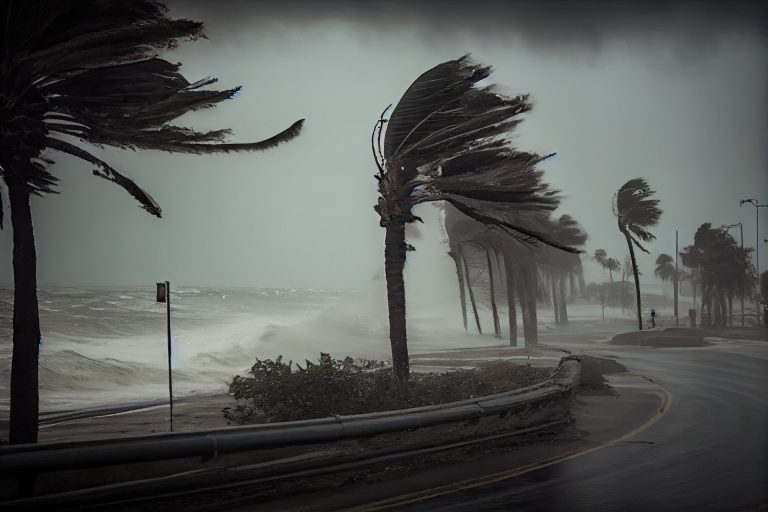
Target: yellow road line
x=510 y=473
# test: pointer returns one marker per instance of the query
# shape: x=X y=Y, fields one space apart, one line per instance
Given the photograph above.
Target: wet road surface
x=709 y=452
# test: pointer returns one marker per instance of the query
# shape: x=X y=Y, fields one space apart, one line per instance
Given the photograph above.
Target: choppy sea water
x=107 y=346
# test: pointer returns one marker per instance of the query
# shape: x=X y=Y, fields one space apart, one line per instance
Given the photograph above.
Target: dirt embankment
x=672 y=337
x=687 y=337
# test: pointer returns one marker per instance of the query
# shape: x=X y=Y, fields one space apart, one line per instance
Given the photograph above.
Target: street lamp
x=741 y=230
x=757 y=206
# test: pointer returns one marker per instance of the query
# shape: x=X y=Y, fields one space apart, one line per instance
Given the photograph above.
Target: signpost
x=164 y=295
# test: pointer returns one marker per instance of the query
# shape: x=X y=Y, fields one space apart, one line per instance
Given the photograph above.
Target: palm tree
x=610 y=264
x=635 y=212
x=665 y=270
x=86 y=70
x=560 y=265
x=442 y=144
x=613 y=265
x=600 y=257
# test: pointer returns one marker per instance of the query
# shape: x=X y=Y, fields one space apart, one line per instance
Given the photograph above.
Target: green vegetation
x=277 y=391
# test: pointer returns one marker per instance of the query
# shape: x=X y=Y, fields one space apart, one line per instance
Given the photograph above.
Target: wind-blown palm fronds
x=636 y=211
x=442 y=142
x=87 y=71
x=90 y=70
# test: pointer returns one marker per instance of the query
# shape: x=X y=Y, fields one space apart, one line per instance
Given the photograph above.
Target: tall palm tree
x=666 y=271
x=442 y=144
x=86 y=71
x=636 y=211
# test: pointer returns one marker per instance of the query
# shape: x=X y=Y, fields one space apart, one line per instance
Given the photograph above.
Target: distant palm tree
x=87 y=70
x=665 y=270
x=691 y=258
x=442 y=144
x=635 y=212
x=610 y=264
x=613 y=265
x=560 y=265
x=600 y=257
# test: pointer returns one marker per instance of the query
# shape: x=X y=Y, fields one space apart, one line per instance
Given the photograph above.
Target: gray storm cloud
x=672 y=91
x=545 y=24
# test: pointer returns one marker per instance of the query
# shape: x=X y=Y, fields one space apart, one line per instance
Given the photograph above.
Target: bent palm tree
x=613 y=265
x=86 y=70
x=635 y=212
x=441 y=144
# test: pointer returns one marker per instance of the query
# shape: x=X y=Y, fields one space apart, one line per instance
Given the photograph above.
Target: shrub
x=275 y=392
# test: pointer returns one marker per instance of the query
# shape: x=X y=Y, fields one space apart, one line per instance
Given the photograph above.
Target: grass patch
x=276 y=391
x=593 y=372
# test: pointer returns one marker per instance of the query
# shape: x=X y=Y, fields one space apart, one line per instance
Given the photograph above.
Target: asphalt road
x=709 y=452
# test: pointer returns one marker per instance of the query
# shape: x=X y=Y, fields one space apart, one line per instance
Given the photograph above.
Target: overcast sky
x=674 y=93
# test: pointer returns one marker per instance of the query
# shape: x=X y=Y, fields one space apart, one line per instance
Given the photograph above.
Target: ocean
x=107 y=346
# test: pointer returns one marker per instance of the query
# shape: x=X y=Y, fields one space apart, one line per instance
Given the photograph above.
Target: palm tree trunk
x=496 y=324
x=675 y=285
x=394 y=264
x=526 y=291
x=610 y=273
x=602 y=299
x=26 y=321
x=573 y=286
x=637 y=281
x=509 y=272
x=730 y=309
x=462 y=294
x=471 y=293
x=555 y=307
x=563 y=304
x=742 y=307
x=693 y=285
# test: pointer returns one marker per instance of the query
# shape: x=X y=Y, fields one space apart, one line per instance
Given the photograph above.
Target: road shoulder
x=599 y=420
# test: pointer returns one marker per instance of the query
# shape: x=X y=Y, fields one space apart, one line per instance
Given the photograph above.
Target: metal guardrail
x=40 y=458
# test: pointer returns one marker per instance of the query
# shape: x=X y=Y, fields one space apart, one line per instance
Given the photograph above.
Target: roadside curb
x=531 y=403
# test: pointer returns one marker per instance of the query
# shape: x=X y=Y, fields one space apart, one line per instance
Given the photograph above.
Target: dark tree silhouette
x=636 y=211
x=612 y=265
x=86 y=71
x=665 y=270
x=723 y=268
x=442 y=144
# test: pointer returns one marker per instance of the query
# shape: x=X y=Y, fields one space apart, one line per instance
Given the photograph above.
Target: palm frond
x=444 y=142
x=90 y=69
x=634 y=204
x=508 y=219
x=103 y=170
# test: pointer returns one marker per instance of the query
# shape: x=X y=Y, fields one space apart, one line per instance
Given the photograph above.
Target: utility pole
x=757 y=206
x=741 y=232
x=677 y=284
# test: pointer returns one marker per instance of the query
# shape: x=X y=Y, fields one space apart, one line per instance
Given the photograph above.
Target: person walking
x=653 y=318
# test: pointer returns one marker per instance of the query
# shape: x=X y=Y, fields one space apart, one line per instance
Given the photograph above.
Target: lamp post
x=164 y=295
x=757 y=206
x=741 y=231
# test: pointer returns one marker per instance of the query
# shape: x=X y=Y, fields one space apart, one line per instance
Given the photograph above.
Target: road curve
x=709 y=452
